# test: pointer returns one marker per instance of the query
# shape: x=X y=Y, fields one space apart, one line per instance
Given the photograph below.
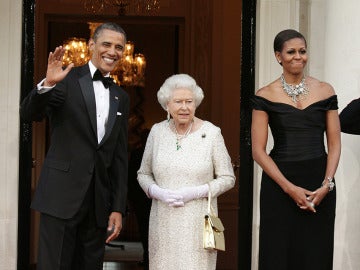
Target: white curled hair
x=179 y=81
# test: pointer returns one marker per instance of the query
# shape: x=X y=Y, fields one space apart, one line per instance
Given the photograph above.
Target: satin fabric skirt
x=292 y=238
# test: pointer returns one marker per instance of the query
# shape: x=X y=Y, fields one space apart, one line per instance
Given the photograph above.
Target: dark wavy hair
x=284 y=36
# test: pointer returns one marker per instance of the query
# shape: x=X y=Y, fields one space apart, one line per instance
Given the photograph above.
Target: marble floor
x=114 y=266
x=121 y=256
x=122 y=266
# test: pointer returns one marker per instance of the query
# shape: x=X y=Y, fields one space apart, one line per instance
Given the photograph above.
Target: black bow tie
x=107 y=81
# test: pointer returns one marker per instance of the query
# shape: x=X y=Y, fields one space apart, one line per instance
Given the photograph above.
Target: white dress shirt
x=102 y=104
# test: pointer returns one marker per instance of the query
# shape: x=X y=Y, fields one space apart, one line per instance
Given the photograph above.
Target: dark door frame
x=25 y=141
x=246 y=163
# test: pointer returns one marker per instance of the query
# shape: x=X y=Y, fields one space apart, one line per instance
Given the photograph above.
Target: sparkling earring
x=168 y=116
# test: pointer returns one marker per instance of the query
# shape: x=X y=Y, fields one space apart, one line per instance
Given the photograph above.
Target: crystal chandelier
x=76 y=51
x=129 y=72
x=131 y=68
x=138 y=7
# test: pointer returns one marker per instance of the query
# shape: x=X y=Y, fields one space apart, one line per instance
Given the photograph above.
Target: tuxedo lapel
x=113 y=109
x=87 y=89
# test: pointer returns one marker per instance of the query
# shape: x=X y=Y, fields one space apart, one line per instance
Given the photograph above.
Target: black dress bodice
x=298 y=133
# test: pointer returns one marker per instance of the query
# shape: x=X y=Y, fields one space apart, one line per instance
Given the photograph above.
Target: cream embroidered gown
x=175 y=234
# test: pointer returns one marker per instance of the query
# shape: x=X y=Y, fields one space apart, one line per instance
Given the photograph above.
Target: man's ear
x=91 y=44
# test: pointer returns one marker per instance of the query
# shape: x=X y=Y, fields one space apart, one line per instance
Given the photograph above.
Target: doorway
x=206 y=51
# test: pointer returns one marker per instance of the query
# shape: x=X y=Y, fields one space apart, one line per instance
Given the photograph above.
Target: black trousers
x=72 y=244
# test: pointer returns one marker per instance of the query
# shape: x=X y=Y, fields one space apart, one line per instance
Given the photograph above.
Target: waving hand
x=55 y=73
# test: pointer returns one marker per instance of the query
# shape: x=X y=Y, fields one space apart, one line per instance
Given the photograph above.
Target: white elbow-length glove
x=193 y=193
x=167 y=196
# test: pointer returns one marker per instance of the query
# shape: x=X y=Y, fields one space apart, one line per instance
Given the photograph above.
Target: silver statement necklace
x=295 y=92
x=179 y=137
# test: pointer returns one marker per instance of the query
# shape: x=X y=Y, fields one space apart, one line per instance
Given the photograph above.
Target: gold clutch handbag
x=213 y=238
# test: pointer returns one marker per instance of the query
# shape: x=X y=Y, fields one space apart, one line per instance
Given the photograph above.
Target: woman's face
x=181 y=106
x=293 y=56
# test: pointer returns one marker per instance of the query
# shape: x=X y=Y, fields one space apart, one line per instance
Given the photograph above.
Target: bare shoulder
x=268 y=91
x=262 y=91
x=324 y=89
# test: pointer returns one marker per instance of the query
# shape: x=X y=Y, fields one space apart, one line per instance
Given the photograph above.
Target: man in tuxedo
x=82 y=188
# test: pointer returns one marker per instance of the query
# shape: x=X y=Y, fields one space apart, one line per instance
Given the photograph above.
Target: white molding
x=10 y=72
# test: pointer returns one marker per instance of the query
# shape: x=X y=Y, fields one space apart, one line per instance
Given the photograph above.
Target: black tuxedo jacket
x=350 y=118
x=75 y=157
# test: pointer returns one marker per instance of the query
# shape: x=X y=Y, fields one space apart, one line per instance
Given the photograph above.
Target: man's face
x=107 y=50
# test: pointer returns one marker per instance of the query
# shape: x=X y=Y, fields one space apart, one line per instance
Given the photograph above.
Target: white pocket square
x=118 y=113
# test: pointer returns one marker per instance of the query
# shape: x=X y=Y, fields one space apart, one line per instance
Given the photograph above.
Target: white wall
x=331 y=28
x=342 y=70
x=10 y=53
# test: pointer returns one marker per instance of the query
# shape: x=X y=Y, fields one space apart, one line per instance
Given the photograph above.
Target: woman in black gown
x=297 y=197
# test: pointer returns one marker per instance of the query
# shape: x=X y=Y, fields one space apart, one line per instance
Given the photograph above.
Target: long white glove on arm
x=193 y=193
x=165 y=195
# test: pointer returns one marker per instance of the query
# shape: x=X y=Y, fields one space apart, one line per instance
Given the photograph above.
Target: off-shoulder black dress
x=291 y=238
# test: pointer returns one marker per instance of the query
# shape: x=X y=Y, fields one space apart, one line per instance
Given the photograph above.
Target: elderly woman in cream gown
x=185 y=158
